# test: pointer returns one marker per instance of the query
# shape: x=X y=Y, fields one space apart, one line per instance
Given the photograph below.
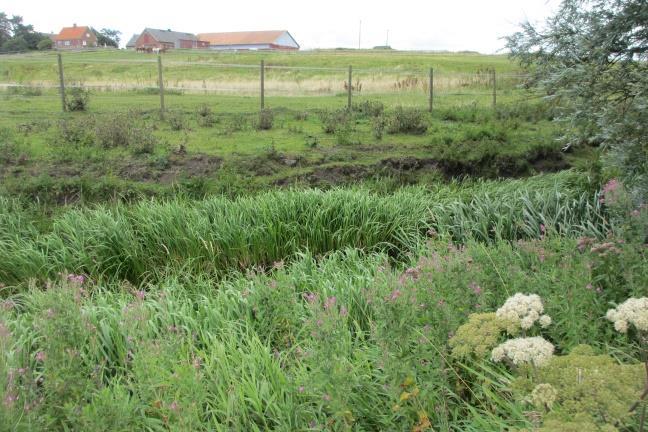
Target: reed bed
x=218 y=235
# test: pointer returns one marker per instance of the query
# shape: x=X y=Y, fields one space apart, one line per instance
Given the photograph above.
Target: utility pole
x=387 y=40
x=360 y=35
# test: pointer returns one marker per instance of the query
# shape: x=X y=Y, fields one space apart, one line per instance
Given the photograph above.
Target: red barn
x=168 y=39
x=75 y=37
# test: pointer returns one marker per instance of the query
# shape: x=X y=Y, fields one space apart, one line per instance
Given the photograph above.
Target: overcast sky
x=452 y=25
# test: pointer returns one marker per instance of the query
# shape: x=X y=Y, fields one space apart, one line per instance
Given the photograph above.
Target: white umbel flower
x=524 y=310
x=533 y=350
x=633 y=311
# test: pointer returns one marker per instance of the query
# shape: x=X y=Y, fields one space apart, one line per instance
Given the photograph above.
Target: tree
x=16 y=44
x=16 y=36
x=591 y=60
x=45 y=44
x=5 y=28
x=108 y=37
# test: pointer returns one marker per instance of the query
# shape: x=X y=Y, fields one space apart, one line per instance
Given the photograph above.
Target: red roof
x=241 y=38
x=72 y=33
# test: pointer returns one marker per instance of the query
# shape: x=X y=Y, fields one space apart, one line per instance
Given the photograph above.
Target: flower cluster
x=544 y=396
x=525 y=310
x=633 y=311
x=533 y=350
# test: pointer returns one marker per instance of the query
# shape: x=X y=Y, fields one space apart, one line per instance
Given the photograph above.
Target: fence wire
x=124 y=84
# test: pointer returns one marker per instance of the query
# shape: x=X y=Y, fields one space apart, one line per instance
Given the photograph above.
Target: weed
x=406 y=120
x=206 y=116
x=265 y=120
x=77 y=98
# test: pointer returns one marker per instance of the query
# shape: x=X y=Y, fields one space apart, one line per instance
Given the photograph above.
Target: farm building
x=167 y=39
x=253 y=40
x=132 y=42
x=76 y=37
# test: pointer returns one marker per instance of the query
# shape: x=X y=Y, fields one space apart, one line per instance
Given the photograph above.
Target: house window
x=67 y=43
x=87 y=35
x=84 y=43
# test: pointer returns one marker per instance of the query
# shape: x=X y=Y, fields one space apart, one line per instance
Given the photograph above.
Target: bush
x=122 y=130
x=45 y=44
x=175 y=120
x=369 y=108
x=77 y=99
x=406 y=120
x=332 y=120
x=206 y=116
x=266 y=120
x=10 y=146
x=75 y=133
x=379 y=124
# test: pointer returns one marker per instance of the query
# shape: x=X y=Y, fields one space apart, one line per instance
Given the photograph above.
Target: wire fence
x=161 y=84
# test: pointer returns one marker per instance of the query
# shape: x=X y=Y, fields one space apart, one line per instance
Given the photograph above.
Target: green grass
x=193 y=64
x=216 y=236
x=341 y=343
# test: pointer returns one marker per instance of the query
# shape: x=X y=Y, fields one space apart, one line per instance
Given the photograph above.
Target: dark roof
x=132 y=40
x=169 y=36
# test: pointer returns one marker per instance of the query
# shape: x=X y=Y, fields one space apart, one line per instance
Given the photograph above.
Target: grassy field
x=308 y=267
x=212 y=141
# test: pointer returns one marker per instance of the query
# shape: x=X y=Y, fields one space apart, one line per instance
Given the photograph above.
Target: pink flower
x=441 y=302
x=4 y=331
x=330 y=302
x=395 y=294
x=543 y=229
x=475 y=288
x=635 y=213
x=588 y=286
x=41 y=356
x=326 y=397
x=343 y=311
x=310 y=297
x=77 y=279
x=173 y=406
x=140 y=294
x=9 y=400
x=301 y=389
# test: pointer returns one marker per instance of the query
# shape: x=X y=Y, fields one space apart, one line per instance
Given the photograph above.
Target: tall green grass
x=322 y=344
x=218 y=235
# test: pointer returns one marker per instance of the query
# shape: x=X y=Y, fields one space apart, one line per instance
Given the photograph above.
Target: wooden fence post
x=494 y=89
x=262 y=85
x=161 y=83
x=431 y=84
x=350 y=88
x=61 y=82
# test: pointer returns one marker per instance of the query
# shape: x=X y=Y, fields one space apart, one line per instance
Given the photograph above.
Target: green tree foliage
x=17 y=36
x=591 y=60
x=108 y=37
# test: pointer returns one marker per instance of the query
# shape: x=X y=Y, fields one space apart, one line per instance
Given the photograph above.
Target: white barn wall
x=286 y=40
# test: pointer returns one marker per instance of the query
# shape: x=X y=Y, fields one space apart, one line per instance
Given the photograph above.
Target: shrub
x=236 y=123
x=378 y=125
x=206 y=116
x=175 y=120
x=266 y=120
x=77 y=98
x=9 y=145
x=406 y=120
x=75 y=133
x=332 y=120
x=45 y=44
x=369 y=108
